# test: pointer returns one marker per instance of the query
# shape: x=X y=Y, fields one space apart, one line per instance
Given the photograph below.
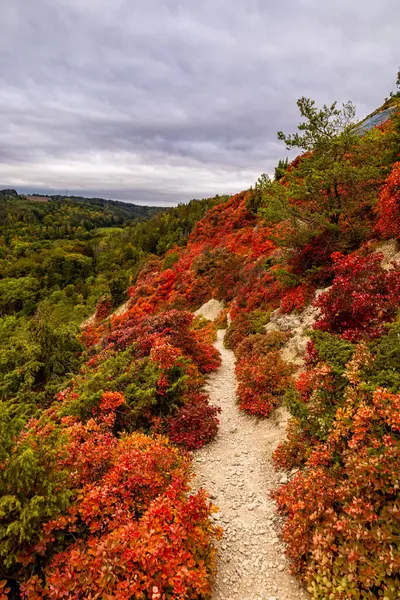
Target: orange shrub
x=132 y=531
x=389 y=205
x=342 y=509
x=261 y=383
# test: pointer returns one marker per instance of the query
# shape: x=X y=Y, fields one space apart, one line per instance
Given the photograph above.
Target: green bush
x=332 y=350
x=384 y=371
x=33 y=489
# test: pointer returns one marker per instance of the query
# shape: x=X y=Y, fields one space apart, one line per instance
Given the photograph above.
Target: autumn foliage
x=261 y=383
x=340 y=506
x=262 y=375
x=362 y=298
x=296 y=298
x=103 y=308
x=131 y=529
x=195 y=424
x=342 y=509
x=95 y=490
x=388 y=224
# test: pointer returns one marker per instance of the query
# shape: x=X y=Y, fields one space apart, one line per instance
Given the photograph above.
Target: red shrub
x=174 y=328
x=313 y=254
x=195 y=424
x=362 y=298
x=296 y=449
x=91 y=335
x=164 y=354
x=219 y=271
x=258 y=290
x=261 y=383
x=132 y=529
x=261 y=344
x=389 y=205
x=296 y=298
x=244 y=324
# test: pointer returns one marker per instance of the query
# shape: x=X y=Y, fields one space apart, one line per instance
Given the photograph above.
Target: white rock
x=210 y=310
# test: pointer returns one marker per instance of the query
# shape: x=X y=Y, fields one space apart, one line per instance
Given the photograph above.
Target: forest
x=99 y=423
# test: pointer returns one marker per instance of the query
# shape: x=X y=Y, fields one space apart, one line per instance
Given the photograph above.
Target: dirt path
x=236 y=469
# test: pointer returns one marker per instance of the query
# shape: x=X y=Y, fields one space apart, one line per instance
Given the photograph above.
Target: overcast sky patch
x=165 y=100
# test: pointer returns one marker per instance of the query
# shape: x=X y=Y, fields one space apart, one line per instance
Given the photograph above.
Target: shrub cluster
x=362 y=298
x=111 y=513
x=103 y=307
x=262 y=375
x=342 y=509
x=158 y=362
x=195 y=424
x=388 y=208
x=296 y=298
x=262 y=383
x=245 y=324
x=91 y=506
x=342 y=505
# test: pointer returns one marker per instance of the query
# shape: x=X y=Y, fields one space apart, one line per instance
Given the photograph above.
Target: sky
x=161 y=101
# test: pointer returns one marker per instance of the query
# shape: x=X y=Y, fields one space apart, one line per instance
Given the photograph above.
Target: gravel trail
x=236 y=469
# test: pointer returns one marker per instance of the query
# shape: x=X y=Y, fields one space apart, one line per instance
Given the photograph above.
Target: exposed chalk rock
x=391 y=253
x=298 y=324
x=210 y=310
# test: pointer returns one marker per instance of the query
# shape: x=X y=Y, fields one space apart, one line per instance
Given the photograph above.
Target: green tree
x=59 y=346
x=332 y=188
x=281 y=168
x=18 y=293
x=33 y=488
x=118 y=286
x=262 y=181
x=320 y=125
x=397 y=93
x=36 y=355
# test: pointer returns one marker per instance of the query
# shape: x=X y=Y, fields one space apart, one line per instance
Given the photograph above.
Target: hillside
x=96 y=487
x=59 y=260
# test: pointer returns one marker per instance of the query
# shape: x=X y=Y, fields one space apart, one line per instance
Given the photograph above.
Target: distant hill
x=68 y=246
x=99 y=212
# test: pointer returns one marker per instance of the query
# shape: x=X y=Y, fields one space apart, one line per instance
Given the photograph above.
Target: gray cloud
x=164 y=100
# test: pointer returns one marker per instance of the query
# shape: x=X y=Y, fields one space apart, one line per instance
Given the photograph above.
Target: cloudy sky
x=160 y=101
